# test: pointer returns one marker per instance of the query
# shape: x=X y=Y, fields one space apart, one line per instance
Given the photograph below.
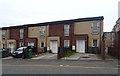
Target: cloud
x=18 y=12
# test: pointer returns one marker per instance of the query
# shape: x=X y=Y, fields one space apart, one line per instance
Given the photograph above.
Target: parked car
x=18 y=52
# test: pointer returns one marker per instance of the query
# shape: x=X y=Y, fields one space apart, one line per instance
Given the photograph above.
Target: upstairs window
x=3 y=35
x=66 y=30
x=95 y=28
x=21 y=33
x=66 y=43
x=42 y=32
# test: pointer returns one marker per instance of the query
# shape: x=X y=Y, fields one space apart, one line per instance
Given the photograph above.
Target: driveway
x=46 y=56
x=86 y=56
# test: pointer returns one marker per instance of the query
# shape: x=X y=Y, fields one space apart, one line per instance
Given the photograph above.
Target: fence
x=62 y=51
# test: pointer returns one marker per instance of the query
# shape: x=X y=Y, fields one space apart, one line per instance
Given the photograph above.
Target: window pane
x=30 y=43
x=95 y=28
x=95 y=43
x=66 y=30
x=21 y=44
x=66 y=43
x=41 y=44
x=21 y=33
x=42 y=32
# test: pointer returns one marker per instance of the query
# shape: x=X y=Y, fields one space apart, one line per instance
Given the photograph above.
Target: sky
x=19 y=12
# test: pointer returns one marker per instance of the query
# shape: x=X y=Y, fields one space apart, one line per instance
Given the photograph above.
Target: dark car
x=18 y=52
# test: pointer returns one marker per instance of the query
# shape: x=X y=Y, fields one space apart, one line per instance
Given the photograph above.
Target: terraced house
x=5 y=37
x=75 y=34
x=40 y=32
x=18 y=37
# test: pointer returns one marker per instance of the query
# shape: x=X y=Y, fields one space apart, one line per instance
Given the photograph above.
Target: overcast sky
x=18 y=12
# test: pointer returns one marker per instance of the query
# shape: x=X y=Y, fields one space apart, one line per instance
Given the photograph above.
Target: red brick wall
x=31 y=40
x=58 y=30
x=15 y=34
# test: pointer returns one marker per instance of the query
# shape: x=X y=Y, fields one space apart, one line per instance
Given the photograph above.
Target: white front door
x=53 y=46
x=11 y=46
x=80 y=46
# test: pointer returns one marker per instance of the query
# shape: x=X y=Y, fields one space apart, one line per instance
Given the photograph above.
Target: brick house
x=4 y=37
x=39 y=31
x=76 y=34
x=18 y=37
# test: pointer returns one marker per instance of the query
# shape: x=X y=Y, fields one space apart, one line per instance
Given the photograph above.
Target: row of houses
x=112 y=40
x=76 y=34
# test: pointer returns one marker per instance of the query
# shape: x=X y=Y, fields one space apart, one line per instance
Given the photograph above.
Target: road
x=31 y=66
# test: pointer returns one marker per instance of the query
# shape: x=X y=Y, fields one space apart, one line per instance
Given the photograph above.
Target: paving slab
x=46 y=56
x=86 y=56
x=81 y=56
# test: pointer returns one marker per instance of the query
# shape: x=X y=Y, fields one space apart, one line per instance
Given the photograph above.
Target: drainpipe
x=102 y=42
x=47 y=28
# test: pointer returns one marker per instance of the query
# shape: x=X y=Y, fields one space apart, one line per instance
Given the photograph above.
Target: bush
x=69 y=53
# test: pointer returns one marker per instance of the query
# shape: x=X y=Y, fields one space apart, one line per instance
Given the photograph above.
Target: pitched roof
x=58 y=22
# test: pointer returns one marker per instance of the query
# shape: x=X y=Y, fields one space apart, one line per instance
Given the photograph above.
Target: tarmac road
x=31 y=66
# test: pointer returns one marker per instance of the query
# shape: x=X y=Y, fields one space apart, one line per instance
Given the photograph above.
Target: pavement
x=46 y=56
x=76 y=56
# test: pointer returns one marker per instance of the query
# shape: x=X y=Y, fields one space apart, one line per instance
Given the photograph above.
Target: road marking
x=61 y=65
x=93 y=67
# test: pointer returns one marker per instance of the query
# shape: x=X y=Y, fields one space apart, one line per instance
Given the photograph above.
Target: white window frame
x=42 y=31
x=92 y=42
x=97 y=30
x=68 y=43
x=21 y=33
x=21 y=43
x=66 y=30
x=43 y=45
x=29 y=44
